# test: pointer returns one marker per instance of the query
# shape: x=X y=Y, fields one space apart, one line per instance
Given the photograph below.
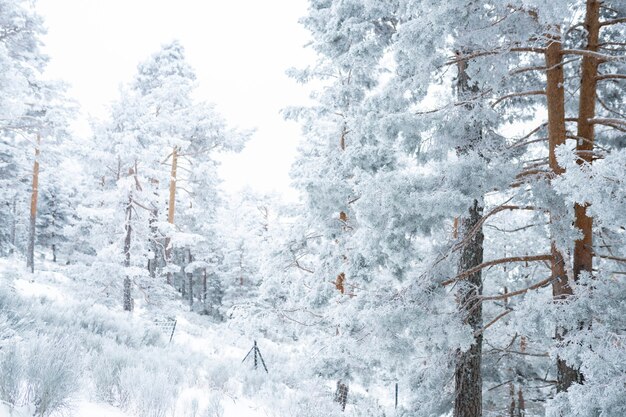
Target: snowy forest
x=457 y=246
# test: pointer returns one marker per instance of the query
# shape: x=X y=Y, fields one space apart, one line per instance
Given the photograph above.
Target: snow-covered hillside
x=62 y=355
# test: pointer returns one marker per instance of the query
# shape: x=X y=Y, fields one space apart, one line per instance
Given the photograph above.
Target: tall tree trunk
x=583 y=248
x=467 y=373
x=30 y=255
x=555 y=94
x=204 y=286
x=190 y=278
x=521 y=405
x=13 y=224
x=171 y=208
x=512 y=403
x=128 y=301
x=153 y=244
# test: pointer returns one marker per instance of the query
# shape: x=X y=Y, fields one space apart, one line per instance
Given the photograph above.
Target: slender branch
x=611 y=77
x=597 y=55
x=461 y=58
x=518 y=229
x=610 y=110
x=492 y=322
x=526 y=69
x=535 y=286
x=526 y=143
x=613 y=258
x=137 y=203
x=522 y=94
x=619 y=124
x=613 y=21
x=542 y=355
x=477 y=268
x=482 y=220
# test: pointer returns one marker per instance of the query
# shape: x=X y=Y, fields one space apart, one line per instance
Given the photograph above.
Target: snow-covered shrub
x=106 y=367
x=148 y=391
x=95 y=322
x=52 y=374
x=215 y=407
x=12 y=375
x=218 y=374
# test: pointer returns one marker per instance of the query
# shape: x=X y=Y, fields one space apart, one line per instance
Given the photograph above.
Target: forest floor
x=127 y=367
x=218 y=384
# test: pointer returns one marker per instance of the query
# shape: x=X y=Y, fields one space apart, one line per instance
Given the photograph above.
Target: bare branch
x=597 y=55
x=619 y=124
x=522 y=94
x=611 y=77
x=613 y=258
x=518 y=229
x=480 y=223
x=613 y=22
x=491 y=323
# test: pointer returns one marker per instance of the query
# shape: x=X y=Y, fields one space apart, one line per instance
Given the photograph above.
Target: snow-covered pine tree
x=157 y=123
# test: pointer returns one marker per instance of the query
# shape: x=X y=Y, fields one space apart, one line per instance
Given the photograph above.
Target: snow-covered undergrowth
x=62 y=356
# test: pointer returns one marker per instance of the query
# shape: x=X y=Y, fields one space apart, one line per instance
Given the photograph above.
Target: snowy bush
x=52 y=374
x=148 y=392
x=218 y=374
x=12 y=371
x=215 y=407
x=107 y=366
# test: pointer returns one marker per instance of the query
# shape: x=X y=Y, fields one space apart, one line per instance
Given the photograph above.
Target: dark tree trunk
x=54 y=253
x=190 y=279
x=204 y=286
x=521 y=407
x=128 y=300
x=154 y=247
x=13 y=225
x=467 y=374
x=512 y=403
x=30 y=254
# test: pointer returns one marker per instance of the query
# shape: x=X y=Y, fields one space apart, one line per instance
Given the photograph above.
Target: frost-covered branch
x=597 y=55
x=500 y=261
x=537 y=285
x=521 y=94
x=613 y=22
x=492 y=322
x=619 y=124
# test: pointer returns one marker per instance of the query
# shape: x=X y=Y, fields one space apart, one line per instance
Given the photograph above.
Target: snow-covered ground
x=213 y=381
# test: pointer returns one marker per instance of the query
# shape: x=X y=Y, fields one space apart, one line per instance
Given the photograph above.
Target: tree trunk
x=13 y=225
x=54 y=253
x=154 y=246
x=30 y=255
x=555 y=94
x=204 y=287
x=521 y=406
x=467 y=374
x=128 y=301
x=190 y=279
x=171 y=208
x=583 y=248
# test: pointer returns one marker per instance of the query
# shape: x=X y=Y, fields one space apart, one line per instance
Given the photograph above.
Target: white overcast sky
x=240 y=50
